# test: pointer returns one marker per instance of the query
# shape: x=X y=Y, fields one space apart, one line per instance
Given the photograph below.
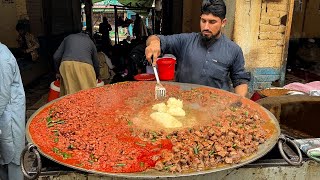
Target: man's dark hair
x=214 y=7
x=21 y=27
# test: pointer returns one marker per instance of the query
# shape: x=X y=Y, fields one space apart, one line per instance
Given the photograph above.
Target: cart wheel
x=293 y=161
x=31 y=148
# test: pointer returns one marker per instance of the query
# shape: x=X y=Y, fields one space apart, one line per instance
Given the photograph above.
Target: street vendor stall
x=54 y=131
x=56 y=128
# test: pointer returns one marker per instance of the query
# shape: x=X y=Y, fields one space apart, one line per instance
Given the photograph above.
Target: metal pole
x=115 y=25
x=153 y=21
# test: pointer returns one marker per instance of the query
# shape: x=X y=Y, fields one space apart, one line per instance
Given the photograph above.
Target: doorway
x=303 y=64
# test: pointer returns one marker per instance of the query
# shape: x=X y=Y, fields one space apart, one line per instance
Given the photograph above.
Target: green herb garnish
x=60 y=121
x=65 y=155
x=212 y=153
x=218 y=124
x=56 y=140
x=246 y=113
x=120 y=164
x=56 y=150
x=50 y=125
x=196 y=150
x=234 y=145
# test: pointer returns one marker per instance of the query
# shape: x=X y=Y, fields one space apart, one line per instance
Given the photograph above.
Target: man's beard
x=209 y=40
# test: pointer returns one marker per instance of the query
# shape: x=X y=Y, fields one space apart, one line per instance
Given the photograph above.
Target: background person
x=77 y=63
x=12 y=116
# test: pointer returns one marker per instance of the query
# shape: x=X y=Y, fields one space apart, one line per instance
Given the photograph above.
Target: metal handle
x=31 y=148
x=294 y=160
x=155 y=71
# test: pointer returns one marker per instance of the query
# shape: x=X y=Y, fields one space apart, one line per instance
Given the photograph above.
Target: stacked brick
x=272 y=28
x=271 y=43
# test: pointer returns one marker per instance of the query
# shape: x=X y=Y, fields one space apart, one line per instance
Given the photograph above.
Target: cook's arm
x=166 y=44
x=239 y=77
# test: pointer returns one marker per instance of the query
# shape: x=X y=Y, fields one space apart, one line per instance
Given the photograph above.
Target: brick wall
x=272 y=28
x=262 y=29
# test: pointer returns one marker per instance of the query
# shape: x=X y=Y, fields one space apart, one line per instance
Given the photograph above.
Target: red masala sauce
x=93 y=129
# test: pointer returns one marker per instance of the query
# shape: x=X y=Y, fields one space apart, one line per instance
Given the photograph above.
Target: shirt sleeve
x=6 y=76
x=172 y=44
x=57 y=57
x=238 y=73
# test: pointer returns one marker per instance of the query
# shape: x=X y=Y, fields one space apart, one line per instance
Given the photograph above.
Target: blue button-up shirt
x=212 y=66
x=12 y=109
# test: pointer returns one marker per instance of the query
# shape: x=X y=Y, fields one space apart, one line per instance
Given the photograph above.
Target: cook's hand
x=153 y=50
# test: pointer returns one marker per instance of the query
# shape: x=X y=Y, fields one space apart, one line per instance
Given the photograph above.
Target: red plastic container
x=54 y=92
x=144 y=77
x=166 y=68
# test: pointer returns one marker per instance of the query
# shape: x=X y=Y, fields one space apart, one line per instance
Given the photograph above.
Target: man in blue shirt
x=12 y=116
x=207 y=58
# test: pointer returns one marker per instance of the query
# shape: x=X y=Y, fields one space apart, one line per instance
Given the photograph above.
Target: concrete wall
x=191 y=16
x=262 y=29
x=7 y=28
x=10 y=13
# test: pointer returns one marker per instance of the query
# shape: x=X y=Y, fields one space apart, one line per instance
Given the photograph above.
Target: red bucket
x=54 y=92
x=166 y=68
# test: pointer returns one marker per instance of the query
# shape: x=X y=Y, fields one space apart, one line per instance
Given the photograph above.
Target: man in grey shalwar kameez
x=12 y=116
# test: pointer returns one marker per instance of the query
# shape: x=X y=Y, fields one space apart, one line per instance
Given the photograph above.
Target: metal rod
x=115 y=25
x=153 y=20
